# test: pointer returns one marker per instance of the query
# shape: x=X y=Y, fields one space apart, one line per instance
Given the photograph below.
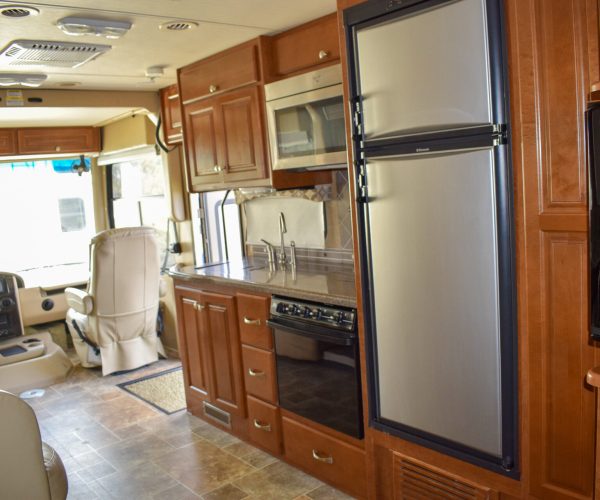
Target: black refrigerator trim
x=593 y=134
x=370 y=14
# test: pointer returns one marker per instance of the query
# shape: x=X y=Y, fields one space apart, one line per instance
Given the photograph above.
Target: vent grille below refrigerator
x=414 y=480
x=52 y=54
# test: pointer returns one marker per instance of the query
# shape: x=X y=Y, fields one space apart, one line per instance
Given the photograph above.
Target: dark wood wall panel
x=563 y=439
x=553 y=52
x=561 y=51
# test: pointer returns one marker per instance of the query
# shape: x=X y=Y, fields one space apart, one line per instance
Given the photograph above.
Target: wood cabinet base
x=325 y=457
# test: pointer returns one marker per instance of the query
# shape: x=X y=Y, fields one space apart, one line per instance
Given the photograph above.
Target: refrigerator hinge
x=361 y=181
x=356 y=120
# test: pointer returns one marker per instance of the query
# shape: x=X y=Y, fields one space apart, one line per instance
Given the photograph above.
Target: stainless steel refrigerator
x=434 y=194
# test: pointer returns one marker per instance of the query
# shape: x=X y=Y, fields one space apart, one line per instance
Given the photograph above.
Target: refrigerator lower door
x=434 y=264
x=426 y=71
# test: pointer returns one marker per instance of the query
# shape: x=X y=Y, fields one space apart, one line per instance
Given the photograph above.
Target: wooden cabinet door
x=8 y=141
x=60 y=140
x=171 y=115
x=241 y=135
x=220 y=328
x=192 y=344
x=201 y=143
x=306 y=47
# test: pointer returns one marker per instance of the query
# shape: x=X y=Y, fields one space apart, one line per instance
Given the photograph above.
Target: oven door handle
x=314 y=332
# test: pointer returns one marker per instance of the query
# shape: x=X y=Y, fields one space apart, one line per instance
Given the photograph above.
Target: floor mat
x=162 y=390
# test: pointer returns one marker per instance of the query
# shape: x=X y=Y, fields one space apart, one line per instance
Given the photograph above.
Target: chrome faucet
x=282 y=231
x=270 y=252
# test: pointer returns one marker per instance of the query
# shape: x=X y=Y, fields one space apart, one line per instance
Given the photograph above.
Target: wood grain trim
x=561 y=67
x=562 y=222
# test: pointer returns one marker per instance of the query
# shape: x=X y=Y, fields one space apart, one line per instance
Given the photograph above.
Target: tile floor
x=115 y=446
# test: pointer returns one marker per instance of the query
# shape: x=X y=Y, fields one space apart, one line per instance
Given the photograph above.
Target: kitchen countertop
x=328 y=283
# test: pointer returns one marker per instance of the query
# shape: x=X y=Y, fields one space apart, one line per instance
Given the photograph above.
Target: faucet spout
x=282 y=231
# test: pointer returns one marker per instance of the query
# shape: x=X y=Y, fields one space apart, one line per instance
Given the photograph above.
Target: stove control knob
x=308 y=312
x=281 y=307
x=339 y=317
x=294 y=310
x=318 y=314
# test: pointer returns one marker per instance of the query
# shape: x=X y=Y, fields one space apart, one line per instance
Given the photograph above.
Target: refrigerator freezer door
x=435 y=283
x=427 y=71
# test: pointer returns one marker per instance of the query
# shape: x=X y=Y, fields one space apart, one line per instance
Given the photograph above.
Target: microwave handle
x=313 y=332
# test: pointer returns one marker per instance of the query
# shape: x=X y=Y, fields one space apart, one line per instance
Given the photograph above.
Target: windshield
x=47 y=221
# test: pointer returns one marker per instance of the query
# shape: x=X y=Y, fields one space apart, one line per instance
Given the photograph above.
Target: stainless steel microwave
x=305 y=115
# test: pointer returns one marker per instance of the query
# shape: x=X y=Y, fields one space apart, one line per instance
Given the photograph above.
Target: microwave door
x=307 y=130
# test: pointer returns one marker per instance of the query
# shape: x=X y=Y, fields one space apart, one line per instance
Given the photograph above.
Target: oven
x=318 y=371
x=305 y=115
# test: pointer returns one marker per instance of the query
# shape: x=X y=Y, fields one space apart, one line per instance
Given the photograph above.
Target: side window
x=136 y=191
x=217 y=227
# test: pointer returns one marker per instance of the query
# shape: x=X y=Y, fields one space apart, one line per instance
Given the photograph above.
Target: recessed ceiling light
x=107 y=28
x=17 y=11
x=25 y=79
x=178 y=25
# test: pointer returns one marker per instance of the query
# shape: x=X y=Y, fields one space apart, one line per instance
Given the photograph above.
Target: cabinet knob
x=322 y=458
x=213 y=88
x=248 y=321
x=218 y=168
x=323 y=54
x=57 y=149
x=198 y=306
x=255 y=373
x=261 y=426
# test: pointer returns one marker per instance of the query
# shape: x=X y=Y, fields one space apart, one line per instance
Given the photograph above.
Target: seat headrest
x=122 y=233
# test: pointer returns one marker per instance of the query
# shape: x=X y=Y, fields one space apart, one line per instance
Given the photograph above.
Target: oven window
x=311 y=129
x=319 y=380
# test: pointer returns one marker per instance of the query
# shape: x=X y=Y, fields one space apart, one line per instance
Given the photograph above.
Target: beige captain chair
x=113 y=323
x=29 y=468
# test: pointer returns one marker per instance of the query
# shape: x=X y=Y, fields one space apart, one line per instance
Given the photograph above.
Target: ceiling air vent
x=52 y=54
x=18 y=11
x=178 y=25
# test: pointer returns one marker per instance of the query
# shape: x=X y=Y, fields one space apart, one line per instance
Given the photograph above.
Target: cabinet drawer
x=253 y=312
x=311 y=44
x=326 y=457
x=259 y=373
x=227 y=70
x=264 y=425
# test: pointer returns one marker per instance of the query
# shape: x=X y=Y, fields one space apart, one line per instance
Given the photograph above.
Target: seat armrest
x=79 y=300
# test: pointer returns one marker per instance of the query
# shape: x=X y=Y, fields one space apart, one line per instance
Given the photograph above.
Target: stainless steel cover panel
x=435 y=278
x=427 y=71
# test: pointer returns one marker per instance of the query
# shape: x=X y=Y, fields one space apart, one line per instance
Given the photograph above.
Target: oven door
x=318 y=375
x=306 y=130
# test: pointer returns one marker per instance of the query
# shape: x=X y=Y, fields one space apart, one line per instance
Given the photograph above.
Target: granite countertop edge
x=328 y=298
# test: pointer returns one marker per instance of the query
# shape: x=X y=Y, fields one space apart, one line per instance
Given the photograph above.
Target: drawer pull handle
x=262 y=427
x=213 y=88
x=255 y=373
x=248 y=321
x=322 y=458
x=198 y=306
x=218 y=168
x=323 y=54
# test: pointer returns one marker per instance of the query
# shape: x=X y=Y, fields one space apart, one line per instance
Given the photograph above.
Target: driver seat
x=113 y=322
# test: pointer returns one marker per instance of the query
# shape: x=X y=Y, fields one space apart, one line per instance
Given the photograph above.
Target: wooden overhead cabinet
x=171 y=115
x=8 y=141
x=305 y=47
x=58 y=140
